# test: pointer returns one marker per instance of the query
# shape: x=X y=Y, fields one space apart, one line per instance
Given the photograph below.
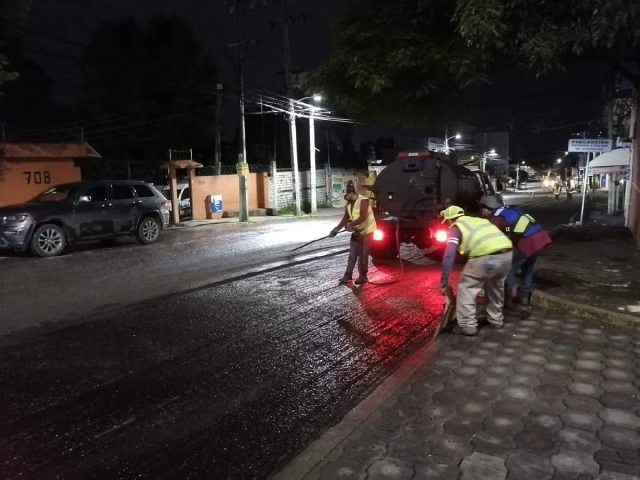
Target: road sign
x=590 y=145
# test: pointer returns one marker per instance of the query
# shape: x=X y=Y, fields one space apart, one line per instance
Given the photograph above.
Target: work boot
x=362 y=280
x=346 y=279
x=496 y=326
x=467 y=331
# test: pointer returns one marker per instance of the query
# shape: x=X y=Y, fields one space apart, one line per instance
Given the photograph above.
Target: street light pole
x=312 y=160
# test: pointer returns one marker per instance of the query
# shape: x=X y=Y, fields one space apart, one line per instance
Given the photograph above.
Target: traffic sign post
x=588 y=146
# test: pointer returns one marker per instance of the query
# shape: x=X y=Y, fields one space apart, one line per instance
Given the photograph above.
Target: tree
x=398 y=59
x=417 y=59
x=148 y=90
x=13 y=15
x=544 y=35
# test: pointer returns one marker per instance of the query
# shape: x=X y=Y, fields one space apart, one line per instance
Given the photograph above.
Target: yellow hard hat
x=451 y=213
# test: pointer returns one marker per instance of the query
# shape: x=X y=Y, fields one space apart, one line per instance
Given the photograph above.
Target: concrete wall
x=633 y=210
x=24 y=178
x=228 y=187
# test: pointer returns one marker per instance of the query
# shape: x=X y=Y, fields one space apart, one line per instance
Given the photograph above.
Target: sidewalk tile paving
x=545 y=398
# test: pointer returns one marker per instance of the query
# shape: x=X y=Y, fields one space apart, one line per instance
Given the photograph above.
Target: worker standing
x=569 y=192
x=529 y=239
x=358 y=218
x=556 y=191
x=489 y=253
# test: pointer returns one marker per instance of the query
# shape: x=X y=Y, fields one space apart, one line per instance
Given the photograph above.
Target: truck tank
x=419 y=187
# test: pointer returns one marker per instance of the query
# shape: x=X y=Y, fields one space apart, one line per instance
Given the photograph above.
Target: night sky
x=533 y=108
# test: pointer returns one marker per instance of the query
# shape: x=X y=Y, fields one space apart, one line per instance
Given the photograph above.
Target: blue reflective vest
x=519 y=224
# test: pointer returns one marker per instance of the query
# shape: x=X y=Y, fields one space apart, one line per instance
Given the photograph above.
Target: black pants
x=359 y=250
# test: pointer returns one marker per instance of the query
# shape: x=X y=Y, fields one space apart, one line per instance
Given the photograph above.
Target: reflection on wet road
x=214 y=354
x=224 y=382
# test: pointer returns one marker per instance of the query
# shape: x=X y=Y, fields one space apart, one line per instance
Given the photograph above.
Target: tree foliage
x=13 y=15
x=154 y=87
x=544 y=34
x=417 y=59
x=398 y=57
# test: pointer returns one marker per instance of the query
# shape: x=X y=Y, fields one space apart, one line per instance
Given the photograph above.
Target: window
x=57 y=194
x=97 y=193
x=143 y=191
x=122 y=192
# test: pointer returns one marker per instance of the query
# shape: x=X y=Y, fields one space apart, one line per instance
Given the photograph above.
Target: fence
x=210 y=170
x=97 y=170
x=284 y=182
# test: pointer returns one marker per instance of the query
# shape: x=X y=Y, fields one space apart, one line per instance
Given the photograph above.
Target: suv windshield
x=57 y=194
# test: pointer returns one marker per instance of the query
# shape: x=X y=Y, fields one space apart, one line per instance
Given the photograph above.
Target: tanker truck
x=410 y=193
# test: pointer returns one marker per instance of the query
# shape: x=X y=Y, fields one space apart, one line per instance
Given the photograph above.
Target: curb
x=554 y=303
x=319 y=449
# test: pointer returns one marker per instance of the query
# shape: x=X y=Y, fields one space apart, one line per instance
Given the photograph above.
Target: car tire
x=48 y=241
x=148 y=230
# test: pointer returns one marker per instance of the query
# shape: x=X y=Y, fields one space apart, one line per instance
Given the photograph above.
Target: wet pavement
x=213 y=354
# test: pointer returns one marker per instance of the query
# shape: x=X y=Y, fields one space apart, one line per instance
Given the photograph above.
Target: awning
x=615 y=161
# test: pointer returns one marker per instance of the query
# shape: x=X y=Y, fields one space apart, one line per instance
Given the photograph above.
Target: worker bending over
x=529 y=238
x=489 y=260
x=358 y=218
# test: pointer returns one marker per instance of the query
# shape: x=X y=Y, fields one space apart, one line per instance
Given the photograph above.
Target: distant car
x=84 y=211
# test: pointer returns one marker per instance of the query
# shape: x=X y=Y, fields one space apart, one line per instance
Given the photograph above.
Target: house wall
x=24 y=178
x=228 y=187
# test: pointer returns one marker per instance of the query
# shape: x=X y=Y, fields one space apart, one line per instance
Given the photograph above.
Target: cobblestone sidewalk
x=544 y=398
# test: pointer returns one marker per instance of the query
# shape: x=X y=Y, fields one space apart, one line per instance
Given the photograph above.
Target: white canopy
x=620 y=157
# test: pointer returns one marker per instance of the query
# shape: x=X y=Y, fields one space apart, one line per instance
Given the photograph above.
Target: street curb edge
x=550 y=302
x=319 y=449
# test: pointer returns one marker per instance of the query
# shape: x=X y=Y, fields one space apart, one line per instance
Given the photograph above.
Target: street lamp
x=312 y=152
x=559 y=160
x=457 y=136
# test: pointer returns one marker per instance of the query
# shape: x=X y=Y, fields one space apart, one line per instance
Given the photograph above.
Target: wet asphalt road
x=258 y=355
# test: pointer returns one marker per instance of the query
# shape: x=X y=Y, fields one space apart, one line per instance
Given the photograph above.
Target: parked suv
x=84 y=211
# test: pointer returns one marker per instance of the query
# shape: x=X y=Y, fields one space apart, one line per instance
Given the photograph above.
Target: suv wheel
x=148 y=230
x=48 y=241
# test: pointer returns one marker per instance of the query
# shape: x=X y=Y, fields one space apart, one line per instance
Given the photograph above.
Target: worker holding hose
x=489 y=253
x=358 y=218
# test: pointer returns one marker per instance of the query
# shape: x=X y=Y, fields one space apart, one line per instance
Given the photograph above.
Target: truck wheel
x=148 y=231
x=48 y=241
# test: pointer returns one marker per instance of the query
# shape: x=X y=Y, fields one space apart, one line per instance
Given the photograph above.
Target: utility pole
x=292 y=113
x=242 y=141
x=218 y=152
x=312 y=161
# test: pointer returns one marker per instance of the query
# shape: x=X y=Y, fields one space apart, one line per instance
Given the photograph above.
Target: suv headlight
x=16 y=218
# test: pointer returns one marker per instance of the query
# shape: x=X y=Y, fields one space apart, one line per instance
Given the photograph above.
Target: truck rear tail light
x=165 y=201
x=441 y=236
x=378 y=235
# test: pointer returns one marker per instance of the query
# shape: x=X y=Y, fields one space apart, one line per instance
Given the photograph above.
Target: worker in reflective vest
x=358 y=218
x=529 y=238
x=489 y=259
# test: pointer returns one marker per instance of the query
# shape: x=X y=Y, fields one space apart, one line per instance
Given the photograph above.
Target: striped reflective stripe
x=474 y=231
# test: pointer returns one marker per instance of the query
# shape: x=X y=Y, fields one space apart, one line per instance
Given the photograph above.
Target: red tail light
x=165 y=201
x=378 y=235
x=441 y=236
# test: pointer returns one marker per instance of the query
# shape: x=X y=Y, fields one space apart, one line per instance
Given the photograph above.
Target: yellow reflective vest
x=369 y=225
x=480 y=237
